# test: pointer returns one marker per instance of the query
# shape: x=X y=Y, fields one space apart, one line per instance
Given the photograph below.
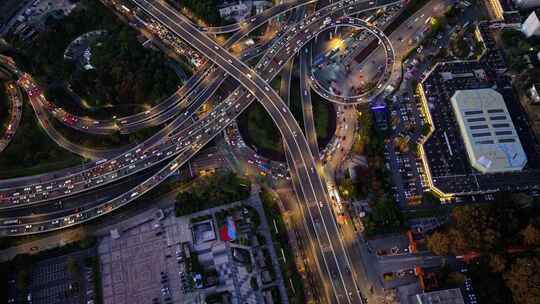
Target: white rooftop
x=447 y=296
x=490 y=138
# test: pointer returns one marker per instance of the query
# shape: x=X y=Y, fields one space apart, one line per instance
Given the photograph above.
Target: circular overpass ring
x=382 y=81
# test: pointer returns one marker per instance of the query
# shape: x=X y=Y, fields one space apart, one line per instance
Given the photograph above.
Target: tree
x=510 y=36
x=426 y=128
x=430 y=198
x=497 y=263
x=23 y=279
x=347 y=188
x=456 y=278
x=450 y=11
x=489 y=287
x=531 y=236
x=490 y=239
x=439 y=243
x=385 y=217
x=72 y=267
x=211 y=191
x=437 y=24
x=460 y=243
x=523 y=280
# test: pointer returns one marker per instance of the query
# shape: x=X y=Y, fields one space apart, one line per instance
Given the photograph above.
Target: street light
x=336 y=43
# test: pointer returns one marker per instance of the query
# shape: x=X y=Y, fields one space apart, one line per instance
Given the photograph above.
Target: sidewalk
x=255 y=201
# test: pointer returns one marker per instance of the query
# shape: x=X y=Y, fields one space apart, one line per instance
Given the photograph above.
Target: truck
x=11 y=222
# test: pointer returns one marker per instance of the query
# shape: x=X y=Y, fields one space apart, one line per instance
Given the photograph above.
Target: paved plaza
x=141 y=263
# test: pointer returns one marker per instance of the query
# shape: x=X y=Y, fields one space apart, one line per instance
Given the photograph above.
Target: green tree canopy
x=524 y=280
x=439 y=243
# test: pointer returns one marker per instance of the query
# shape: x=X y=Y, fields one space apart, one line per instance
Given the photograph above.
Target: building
x=239 y=10
x=447 y=296
x=490 y=138
x=531 y=26
x=527 y=4
x=380 y=114
x=503 y=9
x=534 y=90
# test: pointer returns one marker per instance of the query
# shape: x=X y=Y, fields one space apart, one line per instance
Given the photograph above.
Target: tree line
x=212 y=191
x=126 y=73
x=506 y=237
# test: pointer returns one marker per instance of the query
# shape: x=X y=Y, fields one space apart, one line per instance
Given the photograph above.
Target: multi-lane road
x=12 y=196
x=169 y=107
x=182 y=138
x=15 y=99
x=333 y=262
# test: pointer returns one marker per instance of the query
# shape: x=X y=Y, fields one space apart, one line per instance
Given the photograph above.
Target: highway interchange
x=183 y=136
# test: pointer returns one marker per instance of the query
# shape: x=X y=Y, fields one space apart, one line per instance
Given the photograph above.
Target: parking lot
x=135 y=267
x=54 y=283
x=406 y=123
x=448 y=161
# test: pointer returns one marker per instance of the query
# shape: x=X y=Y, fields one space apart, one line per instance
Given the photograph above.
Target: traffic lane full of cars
x=297 y=145
x=67 y=182
x=57 y=137
x=297 y=35
x=74 y=204
x=258 y=20
x=229 y=42
x=197 y=98
x=196 y=146
x=130 y=123
x=338 y=268
x=215 y=78
x=45 y=195
x=15 y=99
x=382 y=82
x=107 y=167
x=232 y=109
x=210 y=131
x=191 y=82
x=126 y=164
x=15 y=228
x=236 y=106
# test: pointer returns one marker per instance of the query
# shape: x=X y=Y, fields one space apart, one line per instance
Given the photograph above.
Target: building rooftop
x=447 y=296
x=491 y=141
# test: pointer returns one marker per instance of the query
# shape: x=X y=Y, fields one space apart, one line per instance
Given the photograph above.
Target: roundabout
x=185 y=138
x=186 y=134
x=375 y=88
x=266 y=134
